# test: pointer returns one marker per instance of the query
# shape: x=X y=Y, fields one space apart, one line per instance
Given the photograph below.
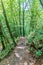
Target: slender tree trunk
x=4 y=12
x=11 y=8
x=23 y=20
x=20 y=17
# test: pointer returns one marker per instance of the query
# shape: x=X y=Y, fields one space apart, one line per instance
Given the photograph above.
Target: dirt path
x=20 y=55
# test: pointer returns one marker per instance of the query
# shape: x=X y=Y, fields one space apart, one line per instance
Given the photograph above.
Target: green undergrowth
x=6 y=51
x=36 y=43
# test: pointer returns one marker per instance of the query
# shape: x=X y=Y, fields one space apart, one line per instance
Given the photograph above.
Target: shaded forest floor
x=21 y=56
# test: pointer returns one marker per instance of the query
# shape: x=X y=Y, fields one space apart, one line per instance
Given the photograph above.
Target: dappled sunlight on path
x=20 y=55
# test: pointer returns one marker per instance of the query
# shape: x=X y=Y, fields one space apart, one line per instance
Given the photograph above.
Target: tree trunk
x=20 y=17
x=4 y=13
x=23 y=21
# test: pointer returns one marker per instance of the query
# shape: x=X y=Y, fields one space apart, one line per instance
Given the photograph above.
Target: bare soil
x=21 y=55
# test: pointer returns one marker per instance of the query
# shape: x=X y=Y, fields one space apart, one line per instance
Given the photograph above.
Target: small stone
x=25 y=63
x=31 y=63
x=17 y=55
x=20 y=58
x=8 y=64
x=27 y=51
x=21 y=47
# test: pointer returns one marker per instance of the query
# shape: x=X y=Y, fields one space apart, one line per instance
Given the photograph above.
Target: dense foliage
x=21 y=18
x=36 y=29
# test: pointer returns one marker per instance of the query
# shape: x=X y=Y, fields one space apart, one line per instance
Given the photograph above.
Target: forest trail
x=20 y=55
